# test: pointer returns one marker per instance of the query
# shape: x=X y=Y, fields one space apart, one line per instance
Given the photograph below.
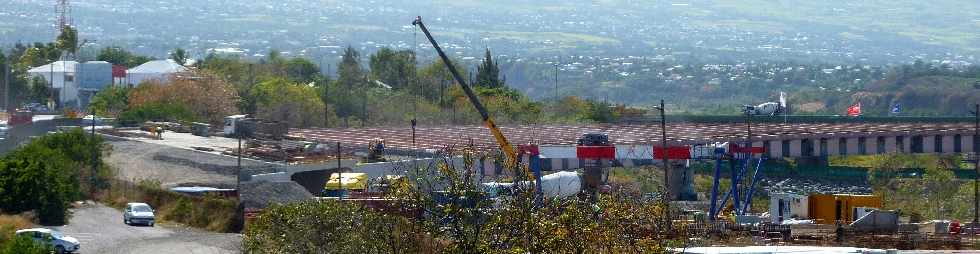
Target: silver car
x=60 y=242
x=138 y=213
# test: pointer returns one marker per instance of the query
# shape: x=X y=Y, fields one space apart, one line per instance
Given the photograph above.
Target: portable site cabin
x=830 y=208
x=786 y=206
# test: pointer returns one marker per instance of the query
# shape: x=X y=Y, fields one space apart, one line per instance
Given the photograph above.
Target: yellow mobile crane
x=501 y=140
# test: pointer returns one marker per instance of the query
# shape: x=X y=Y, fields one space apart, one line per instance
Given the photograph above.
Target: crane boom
x=501 y=139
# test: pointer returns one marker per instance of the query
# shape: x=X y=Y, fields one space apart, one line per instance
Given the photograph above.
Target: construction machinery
x=501 y=140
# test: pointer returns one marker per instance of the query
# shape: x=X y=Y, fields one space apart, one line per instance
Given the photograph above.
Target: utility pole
x=6 y=86
x=95 y=160
x=976 y=167
x=663 y=143
x=238 y=181
x=556 y=85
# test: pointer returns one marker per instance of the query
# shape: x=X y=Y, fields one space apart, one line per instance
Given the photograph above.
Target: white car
x=60 y=242
x=3 y=129
x=138 y=213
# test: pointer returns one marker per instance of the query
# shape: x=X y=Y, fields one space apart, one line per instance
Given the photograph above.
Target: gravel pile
x=805 y=186
x=261 y=194
x=173 y=166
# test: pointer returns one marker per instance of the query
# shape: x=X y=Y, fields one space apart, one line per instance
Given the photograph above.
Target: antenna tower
x=63 y=10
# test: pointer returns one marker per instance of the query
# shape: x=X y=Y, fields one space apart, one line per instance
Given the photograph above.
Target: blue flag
x=897 y=108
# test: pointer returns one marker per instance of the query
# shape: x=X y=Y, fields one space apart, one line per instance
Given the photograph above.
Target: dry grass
x=13 y=222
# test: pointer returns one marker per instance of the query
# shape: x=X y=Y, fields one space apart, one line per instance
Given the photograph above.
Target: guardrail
x=796 y=119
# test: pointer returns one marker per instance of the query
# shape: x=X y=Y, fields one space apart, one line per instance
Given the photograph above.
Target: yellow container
x=831 y=208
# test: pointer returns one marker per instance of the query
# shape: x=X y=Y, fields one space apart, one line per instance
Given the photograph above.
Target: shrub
x=156 y=112
x=24 y=245
x=44 y=175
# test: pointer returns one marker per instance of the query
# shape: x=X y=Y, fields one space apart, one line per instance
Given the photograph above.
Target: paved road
x=101 y=230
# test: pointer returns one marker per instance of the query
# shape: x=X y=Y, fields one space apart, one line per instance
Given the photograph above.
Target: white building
x=158 y=70
x=60 y=76
x=70 y=79
x=784 y=206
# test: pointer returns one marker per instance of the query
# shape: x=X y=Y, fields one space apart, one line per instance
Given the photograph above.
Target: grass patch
x=13 y=222
x=212 y=213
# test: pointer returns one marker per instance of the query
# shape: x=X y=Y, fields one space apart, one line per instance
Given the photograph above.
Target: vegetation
x=462 y=219
x=935 y=194
x=392 y=92
x=120 y=56
x=46 y=175
x=110 y=101
x=207 y=97
x=213 y=213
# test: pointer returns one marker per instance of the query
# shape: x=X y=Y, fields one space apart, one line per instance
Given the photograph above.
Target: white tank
x=561 y=184
x=557 y=185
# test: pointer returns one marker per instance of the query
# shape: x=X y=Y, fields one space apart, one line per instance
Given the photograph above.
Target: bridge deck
x=678 y=133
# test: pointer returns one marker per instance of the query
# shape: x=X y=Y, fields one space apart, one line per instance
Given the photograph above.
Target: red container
x=673 y=152
x=596 y=152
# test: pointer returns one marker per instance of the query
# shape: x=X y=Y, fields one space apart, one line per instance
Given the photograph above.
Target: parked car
x=60 y=242
x=3 y=129
x=138 y=213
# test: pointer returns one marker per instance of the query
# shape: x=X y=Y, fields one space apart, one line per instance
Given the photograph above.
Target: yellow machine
x=505 y=145
x=347 y=181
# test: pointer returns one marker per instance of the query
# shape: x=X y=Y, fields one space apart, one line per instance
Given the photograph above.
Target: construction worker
x=159 y=131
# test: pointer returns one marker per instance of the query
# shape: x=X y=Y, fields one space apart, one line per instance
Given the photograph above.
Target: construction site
x=740 y=206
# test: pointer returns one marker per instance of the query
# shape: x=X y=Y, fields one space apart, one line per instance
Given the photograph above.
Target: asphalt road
x=100 y=229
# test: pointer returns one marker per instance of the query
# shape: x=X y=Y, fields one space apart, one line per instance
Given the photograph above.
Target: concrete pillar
x=967 y=141
x=776 y=148
x=929 y=144
x=890 y=146
x=833 y=146
x=948 y=144
x=908 y=144
x=871 y=145
x=852 y=146
x=795 y=148
x=816 y=147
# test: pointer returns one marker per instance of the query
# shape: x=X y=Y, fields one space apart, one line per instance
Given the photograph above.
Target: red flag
x=854 y=110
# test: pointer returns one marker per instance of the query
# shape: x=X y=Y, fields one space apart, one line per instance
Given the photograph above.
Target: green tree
x=44 y=175
x=939 y=184
x=32 y=57
x=488 y=73
x=68 y=40
x=394 y=68
x=120 y=56
x=350 y=79
x=295 y=104
x=114 y=55
x=179 y=55
x=301 y=70
x=111 y=101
